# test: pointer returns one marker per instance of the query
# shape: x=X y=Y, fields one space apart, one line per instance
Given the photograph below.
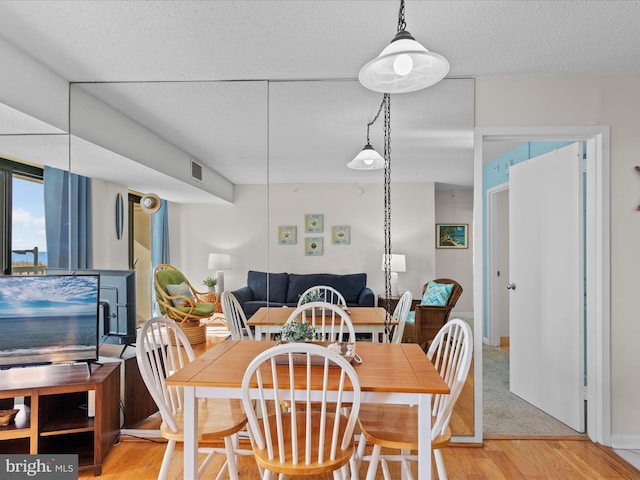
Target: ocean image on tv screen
x=48 y=319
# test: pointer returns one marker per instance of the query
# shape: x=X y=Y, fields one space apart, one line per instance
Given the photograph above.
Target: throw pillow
x=179 y=290
x=437 y=294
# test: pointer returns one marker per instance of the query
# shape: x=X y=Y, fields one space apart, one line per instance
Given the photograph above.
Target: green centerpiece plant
x=314 y=296
x=297 y=332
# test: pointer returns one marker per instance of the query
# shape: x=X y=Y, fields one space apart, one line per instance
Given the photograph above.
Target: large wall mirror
x=26 y=145
x=270 y=153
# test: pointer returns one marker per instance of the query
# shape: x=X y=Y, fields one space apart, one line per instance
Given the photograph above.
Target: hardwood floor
x=550 y=459
x=497 y=459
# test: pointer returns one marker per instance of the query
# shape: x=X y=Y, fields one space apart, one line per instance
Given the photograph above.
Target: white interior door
x=546 y=275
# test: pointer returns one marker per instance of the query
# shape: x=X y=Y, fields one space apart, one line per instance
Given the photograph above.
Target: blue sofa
x=285 y=288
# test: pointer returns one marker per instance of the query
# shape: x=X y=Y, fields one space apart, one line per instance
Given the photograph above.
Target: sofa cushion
x=257 y=282
x=349 y=285
x=252 y=306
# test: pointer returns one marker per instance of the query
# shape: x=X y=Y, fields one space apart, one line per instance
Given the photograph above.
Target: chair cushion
x=200 y=309
x=437 y=294
x=179 y=290
x=169 y=277
x=411 y=318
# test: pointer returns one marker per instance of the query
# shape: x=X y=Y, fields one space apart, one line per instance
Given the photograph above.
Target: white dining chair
x=162 y=349
x=302 y=440
x=322 y=293
x=331 y=321
x=235 y=317
x=400 y=313
x=396 y=426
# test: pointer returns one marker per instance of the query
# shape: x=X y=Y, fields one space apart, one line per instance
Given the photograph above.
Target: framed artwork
x=287 y=234
x=313 y=246
x=341 y=234
x=314 y=223
x=452 y=235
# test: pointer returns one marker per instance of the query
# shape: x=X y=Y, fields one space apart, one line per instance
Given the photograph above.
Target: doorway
x=596 y=255
x=140 y=257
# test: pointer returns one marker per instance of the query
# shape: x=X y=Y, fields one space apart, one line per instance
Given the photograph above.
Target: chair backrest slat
x=331 y=321
x=162 y=348
x=400 y=314
x=450 y=352
x=235 y=317
x=322 y=293
x=314 y=374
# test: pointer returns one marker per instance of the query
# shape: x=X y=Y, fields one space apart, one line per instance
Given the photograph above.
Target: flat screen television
x=117 y=322
x=48 y=319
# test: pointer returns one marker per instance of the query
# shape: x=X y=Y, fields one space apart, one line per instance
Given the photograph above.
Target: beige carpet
x=505 y=413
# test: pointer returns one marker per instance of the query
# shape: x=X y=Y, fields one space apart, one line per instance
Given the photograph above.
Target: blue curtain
x=160 y=236
x=159 y=245
x=67 y=210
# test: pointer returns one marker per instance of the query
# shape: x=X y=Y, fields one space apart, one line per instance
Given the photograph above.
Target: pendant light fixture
x=404 y=65
x=368 y=158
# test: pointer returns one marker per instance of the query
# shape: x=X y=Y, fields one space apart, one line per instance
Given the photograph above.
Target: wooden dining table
x=267 y=321
x=389 y=373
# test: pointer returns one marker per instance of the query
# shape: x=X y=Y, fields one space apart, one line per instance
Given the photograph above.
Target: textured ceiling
x=317 y=125
x=304 y=39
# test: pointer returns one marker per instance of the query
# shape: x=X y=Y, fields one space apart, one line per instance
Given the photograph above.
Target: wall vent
x=196 y=171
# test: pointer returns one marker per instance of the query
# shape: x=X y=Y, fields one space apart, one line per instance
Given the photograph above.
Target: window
x=23 y=241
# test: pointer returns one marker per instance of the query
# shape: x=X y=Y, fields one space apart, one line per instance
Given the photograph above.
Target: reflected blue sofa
x=285 y=288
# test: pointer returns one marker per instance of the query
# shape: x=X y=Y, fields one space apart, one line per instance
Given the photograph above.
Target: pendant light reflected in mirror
x=367 y=159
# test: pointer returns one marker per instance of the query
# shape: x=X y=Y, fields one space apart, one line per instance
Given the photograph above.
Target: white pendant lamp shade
x=403 y=66
x=367 y=159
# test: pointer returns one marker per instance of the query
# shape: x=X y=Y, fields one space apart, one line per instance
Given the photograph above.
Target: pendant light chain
x=402 y=25
x=387 y=213
x=374 y=119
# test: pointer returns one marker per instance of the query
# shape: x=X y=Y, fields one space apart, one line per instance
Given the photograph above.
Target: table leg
x=257 y=332
x=424 y=437
x=190 y=433
x=375 y=335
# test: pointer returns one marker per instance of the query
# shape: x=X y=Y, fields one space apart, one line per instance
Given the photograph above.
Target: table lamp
x=397 y=264
x=219 y=262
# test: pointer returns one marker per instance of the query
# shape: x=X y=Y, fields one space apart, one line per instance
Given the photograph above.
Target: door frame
x=493 y=335
x=597 y=254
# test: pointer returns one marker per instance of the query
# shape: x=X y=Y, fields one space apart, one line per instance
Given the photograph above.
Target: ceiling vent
x=196 y=171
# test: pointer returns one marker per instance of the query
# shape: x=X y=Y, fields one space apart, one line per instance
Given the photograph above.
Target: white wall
x=593 y=100
x=108 y=251
x=242 y=230
x=239 y=229
x=456 y=206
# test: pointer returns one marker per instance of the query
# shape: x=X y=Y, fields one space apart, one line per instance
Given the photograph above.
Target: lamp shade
x=367 y=159
x=403 y=66
x=397 y=263
x=219 y=261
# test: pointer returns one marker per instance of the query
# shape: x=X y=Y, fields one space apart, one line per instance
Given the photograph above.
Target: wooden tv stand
x=55 y=417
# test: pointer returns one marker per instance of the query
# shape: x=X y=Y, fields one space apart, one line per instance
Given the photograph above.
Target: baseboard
x=627 y=442
x=456 y=314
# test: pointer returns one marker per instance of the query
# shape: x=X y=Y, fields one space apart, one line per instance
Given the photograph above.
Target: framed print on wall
x=313 y=246
x=314 y=223
x=341 y=234
x=287 y=235
x=452 y=235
